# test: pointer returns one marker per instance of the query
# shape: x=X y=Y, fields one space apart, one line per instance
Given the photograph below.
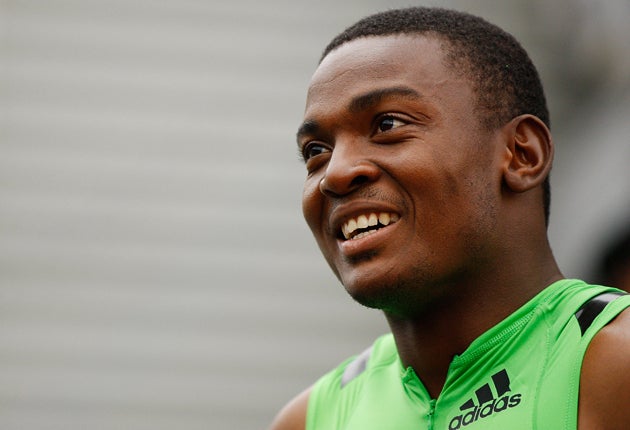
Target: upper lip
x=343 y=213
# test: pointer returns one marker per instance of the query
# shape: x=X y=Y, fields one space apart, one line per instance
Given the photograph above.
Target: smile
x=366 y=224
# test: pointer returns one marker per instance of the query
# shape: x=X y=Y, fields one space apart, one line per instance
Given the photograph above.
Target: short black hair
x=504 y=78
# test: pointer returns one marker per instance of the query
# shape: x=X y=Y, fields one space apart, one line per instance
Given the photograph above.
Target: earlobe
x=529 y=153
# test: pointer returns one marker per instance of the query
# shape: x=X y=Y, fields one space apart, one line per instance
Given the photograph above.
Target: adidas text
x=484 y=411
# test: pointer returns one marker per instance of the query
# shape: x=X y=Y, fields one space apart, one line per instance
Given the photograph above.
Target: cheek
x=311 y=203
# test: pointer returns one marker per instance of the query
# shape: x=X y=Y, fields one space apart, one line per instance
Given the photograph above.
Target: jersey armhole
x=593 y=307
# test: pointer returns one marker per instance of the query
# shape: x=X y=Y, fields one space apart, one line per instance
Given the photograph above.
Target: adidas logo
x=487 y=403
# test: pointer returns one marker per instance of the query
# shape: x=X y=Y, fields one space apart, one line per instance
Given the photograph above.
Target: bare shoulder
x=605 y=379
x=293 y=415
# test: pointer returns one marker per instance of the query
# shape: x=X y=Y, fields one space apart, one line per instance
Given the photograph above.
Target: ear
x=529 y=153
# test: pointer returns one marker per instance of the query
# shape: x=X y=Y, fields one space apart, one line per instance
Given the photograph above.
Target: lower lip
x=352 y=248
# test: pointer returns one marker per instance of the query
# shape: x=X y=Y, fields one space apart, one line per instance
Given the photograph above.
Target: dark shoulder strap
x=589 y=310
x=356 y=367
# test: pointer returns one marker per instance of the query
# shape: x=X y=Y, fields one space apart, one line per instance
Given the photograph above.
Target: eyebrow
x=360 y=103
x=308 y=128
x=369 y=99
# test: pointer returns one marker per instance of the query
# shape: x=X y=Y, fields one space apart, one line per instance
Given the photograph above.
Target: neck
x=430 y=339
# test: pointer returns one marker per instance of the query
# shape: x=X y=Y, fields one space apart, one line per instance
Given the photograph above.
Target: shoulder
x=293 y=415
x=605 y=377
x=333 y=395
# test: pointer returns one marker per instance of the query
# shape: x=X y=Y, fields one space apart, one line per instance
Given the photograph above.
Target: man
x=427 y=147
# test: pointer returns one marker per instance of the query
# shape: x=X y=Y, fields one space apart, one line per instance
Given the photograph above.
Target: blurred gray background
x=155 y=270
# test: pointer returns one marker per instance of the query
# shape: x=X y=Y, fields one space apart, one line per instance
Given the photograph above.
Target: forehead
x=366 y=64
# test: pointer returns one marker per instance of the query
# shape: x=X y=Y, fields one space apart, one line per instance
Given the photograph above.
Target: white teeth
x=365 y=221
x=373 y=220
x=362 y=221
x=363 y=234
x=348 y=228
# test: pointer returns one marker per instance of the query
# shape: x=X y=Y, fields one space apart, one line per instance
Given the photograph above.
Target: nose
x=349 y=168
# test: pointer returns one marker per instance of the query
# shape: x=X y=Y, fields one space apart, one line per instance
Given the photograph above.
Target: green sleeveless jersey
x=524 y=373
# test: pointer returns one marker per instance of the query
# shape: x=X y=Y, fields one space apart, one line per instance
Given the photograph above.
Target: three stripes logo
x=487 y=403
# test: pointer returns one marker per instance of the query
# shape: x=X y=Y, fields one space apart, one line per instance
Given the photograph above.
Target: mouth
x=366 y=224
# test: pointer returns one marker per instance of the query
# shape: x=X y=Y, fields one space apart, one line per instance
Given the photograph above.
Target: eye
x=388 y=122
x=313 y=149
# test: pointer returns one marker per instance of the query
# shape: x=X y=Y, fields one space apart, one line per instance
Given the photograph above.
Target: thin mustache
x=367 y=195
x=370 y=193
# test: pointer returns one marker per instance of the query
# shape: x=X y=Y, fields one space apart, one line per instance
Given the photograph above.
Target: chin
x=386 y=296
x=391 y=303
x=398 y=295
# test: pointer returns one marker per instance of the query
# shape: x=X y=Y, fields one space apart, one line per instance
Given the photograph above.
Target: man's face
x=403 y=189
